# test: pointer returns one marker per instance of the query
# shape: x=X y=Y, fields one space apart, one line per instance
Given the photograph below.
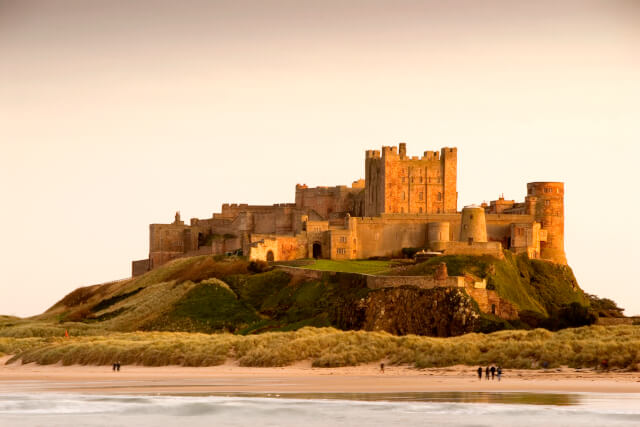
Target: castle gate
x=317 y=250
x=270 y=257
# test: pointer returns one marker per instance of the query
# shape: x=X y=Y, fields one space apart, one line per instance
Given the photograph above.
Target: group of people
x=116 y=366
x=490 y=371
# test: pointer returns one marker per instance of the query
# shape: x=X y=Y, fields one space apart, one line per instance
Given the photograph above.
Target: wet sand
x=300 y=378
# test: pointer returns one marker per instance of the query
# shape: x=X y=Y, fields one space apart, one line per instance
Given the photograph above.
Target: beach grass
x=584 y=347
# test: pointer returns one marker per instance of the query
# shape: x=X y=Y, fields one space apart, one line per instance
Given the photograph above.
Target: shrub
x=258 y=266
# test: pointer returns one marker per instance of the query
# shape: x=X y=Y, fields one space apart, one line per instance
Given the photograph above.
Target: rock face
x=437 y=312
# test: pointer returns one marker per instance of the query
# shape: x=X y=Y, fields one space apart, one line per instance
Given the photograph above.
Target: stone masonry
x=403 y=202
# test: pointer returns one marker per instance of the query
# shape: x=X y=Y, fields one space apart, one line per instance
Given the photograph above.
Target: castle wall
x=388 y=234
x=343 y=244
x=438 y=232
x=374 y=184
x=283 y=248
x=379 y=282
x=169 y=241
x=490 y=302
x=526 y=238
x=499 y=226
x=476 y=248
x=330 y=200
x=140 y=267
x=402 y=202
x=424 y=282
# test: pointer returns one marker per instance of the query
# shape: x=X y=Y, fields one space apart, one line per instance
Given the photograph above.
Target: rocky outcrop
x=440 y=312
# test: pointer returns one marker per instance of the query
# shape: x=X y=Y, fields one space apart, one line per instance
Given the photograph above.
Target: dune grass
x=582 y=347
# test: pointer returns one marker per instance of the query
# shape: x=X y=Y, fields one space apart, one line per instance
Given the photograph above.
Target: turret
x=438 y=235
x=473 y=228
x=450 y=178
x=403 y=150
x=546 y=199
x=177 y=220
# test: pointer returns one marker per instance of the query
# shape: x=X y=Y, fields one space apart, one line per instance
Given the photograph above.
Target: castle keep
x=403 y=202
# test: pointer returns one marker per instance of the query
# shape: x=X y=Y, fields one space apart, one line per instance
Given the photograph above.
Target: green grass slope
x=532 y=285
x=216 y=294
x=200 y=294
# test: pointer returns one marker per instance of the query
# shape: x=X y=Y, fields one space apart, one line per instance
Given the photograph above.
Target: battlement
x=545 y=188
x=389 y=151
x=400 y=152
x=377 y=216
x=234 y=205
x=410 y=184
x=431 y=155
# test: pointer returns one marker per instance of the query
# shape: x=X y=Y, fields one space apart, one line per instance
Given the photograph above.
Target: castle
x=403 y=202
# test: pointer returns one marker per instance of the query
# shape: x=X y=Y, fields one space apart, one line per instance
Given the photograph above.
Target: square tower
x=396 y=183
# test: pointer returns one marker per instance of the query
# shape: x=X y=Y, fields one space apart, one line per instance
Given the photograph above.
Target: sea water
x=307 y=410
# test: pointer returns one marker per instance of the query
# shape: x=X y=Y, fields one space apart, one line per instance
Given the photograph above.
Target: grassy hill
x=215 y=294
x=166 y=316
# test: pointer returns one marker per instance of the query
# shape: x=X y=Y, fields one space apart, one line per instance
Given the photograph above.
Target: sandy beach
x=300 y=378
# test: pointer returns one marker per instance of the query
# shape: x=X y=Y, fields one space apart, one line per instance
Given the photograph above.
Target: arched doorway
x=317 y=250
x=270 y=257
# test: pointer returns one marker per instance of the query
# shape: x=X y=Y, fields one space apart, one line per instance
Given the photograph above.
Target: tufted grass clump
x=583 y=347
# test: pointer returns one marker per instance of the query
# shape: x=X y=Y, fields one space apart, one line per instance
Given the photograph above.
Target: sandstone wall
x=477 y=249
x=423 y=282
x=283 y=248
x=490 y=302
x=378 y=282
x=397 y=183
x=139 y=267
x=548 y=199
x=330 y=200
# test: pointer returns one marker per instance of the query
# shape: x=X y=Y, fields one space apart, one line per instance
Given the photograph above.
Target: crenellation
x=403 y=201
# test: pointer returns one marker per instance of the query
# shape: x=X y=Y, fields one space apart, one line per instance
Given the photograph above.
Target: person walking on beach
x=493 y=372
x=486 y=373
x=480 y=373
x=118 y=366
x=382 y=368
x=499 y=373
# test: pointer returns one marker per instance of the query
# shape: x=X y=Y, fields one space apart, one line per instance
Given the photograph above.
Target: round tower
x=547 y=206
x=473 y=228
x=438 y=235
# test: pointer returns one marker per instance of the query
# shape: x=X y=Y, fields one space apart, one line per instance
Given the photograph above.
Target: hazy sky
x=115 y=114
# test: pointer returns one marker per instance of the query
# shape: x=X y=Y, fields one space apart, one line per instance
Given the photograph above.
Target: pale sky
x=115 y=114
